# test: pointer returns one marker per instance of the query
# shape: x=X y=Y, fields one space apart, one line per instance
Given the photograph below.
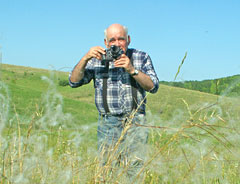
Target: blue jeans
x=122 y=142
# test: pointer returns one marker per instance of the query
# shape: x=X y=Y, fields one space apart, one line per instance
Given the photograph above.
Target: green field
x=48 y=132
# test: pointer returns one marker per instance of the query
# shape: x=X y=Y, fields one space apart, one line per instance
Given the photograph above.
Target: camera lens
x=114 y=48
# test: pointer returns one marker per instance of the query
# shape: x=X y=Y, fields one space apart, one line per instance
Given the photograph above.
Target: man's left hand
x=124 y=62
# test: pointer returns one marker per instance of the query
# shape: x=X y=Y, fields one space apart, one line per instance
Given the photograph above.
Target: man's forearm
x=144 y=81
x=78 y=71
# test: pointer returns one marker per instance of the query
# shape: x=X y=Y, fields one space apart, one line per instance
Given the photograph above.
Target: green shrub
x=63 y=82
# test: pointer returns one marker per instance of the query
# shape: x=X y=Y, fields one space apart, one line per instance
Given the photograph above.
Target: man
x=115 y=99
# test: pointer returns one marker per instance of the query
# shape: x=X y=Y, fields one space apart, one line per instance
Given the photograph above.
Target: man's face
x=117 y=36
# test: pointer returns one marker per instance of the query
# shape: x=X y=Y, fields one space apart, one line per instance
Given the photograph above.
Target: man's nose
x=117 y=43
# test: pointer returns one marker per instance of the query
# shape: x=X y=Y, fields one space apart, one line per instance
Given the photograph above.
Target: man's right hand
x=95 y=52
x=78 y=71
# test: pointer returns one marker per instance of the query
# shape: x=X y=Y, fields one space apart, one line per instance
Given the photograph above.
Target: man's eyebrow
x=111 y=39
x=120 y=38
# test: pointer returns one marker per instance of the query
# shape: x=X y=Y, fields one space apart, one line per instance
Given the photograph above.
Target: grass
x=26 y=88
x=48 y=133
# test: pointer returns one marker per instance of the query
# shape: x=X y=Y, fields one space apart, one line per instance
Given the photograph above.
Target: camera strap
x=133 y=86
x=104 y=92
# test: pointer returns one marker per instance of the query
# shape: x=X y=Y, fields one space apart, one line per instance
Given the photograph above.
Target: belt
x=113 y=115
x=119 y=115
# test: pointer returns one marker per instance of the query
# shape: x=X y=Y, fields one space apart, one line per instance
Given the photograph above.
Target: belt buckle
x=105 y=115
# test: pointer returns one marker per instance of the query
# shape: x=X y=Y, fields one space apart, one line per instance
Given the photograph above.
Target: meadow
x=48 y=133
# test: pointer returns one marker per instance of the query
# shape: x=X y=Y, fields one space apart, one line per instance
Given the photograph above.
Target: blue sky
x=56 y=34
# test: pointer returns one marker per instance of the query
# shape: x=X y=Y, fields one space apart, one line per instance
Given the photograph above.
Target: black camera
x=113 y=53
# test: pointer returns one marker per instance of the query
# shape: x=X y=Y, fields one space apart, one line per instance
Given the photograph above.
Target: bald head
x=114 y=28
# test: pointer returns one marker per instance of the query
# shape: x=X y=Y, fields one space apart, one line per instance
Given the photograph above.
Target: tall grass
x=198 y=143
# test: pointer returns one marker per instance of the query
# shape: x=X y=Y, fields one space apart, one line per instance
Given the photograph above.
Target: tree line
x=227 y=86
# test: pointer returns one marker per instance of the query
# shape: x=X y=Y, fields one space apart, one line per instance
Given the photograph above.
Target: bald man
x=117 y=91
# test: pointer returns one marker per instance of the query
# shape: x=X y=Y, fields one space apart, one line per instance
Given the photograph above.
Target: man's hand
x=124 y=62
x=142 y=79
x=78 y=71
x=95 y=52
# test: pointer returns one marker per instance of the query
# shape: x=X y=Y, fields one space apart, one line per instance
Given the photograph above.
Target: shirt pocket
x=114 y=77
x=125 y=78
x=98 y=82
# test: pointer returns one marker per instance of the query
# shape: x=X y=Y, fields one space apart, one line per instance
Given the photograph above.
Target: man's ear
x=106 y=43
x=129 y=40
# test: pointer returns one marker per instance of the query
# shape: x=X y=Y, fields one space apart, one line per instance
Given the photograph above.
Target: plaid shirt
x=119 y=93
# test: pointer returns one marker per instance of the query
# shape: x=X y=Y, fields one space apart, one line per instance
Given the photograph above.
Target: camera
x=113 y=53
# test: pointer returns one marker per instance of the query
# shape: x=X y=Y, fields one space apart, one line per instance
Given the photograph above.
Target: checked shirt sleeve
x=88 y=76
x=148 y=69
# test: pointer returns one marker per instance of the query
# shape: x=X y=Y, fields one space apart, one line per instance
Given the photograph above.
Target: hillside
x=27 y=89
